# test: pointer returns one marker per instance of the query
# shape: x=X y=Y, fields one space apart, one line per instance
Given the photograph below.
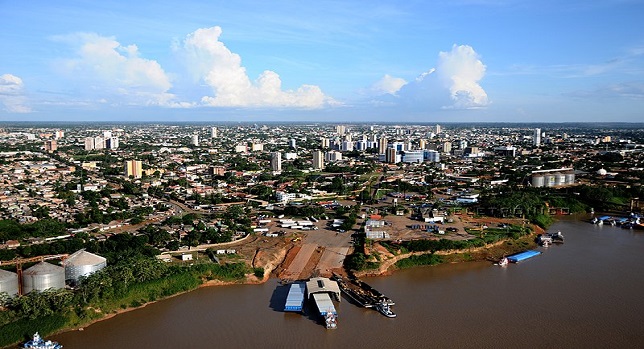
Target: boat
x=516 y=258
x=556 y=237
x=544 y=240
x=38 y=343
x=361 y=293
x=503 y=262
x=331 y=320
x=385 y=310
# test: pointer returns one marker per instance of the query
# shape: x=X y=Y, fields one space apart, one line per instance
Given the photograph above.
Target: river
x=588 y=292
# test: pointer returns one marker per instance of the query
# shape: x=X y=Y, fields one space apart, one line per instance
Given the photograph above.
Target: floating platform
x=295 y=298
x=516 y=258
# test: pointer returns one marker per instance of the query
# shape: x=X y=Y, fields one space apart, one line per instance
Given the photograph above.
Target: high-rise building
x=292 y=143
x=60 y=134
x=89 y=143
x=99 y=142
x=276 y=162
x=318 y=160
x=422 y=143
x=133 y=168
x=107 y=134
x=340 y=129
x=213 y=132
x=325 y=143
x=195 y=140
x=51 y=146
x=112 y=143
x=257 y=146
x=382 y=147
x=438 y=129
x=333 y=156
x=536 y=138
x=447 y=147
x=390 y=156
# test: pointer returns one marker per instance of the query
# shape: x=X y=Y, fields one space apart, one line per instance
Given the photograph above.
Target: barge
x=361 y=293
x=295 y=298
x=516 y=258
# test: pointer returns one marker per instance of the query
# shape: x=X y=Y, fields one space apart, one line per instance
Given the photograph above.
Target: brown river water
x=586 y=293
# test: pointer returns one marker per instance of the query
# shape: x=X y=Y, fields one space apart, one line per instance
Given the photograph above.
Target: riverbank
x=489 y=252
x=269 y=261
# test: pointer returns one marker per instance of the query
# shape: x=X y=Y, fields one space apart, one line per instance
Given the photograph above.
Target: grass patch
x=413 y=261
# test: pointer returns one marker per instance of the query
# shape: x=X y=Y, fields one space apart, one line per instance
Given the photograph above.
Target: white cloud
x=12 y=96
x=106 y=67
x=461 y=70
x=453 y=84
x=211 y=61
x=388 y=84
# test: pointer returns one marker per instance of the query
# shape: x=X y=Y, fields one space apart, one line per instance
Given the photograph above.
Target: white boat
x=503 y=262
x=331 y=320
x=38 y=343
x=385 y=310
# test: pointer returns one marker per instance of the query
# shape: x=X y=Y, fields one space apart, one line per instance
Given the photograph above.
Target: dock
x=516 y=258
x=295 y=298
x=321 y=290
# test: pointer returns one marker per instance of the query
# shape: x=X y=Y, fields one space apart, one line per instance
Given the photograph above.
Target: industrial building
x=553 y=178
x=9 y=283
x=82 y=263
x=43 y=276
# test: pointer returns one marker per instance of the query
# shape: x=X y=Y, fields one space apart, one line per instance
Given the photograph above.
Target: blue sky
x=425 y=61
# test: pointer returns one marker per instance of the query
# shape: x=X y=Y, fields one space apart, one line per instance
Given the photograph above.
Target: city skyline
x=464 y=61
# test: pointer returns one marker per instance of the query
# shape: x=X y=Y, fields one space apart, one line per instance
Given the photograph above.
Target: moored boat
x=503 y=262
x=38 y=343
x=385 y=310
x=331 y=320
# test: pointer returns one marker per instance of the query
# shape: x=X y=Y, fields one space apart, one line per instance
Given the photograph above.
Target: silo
x=43 y=276
x=8 y=282
x=570 y=178
x=82 y=263
x=549 y=180
x=537 y=181
x=560 y=179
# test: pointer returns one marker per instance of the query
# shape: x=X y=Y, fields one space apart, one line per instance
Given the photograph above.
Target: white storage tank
x=560 y=179
x=549 y=180
x=537 y=181
x=82 y=263
x=8 y=283
x=43 y=276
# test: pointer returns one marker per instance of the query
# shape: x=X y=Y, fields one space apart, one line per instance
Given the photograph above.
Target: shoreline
x=387 y=268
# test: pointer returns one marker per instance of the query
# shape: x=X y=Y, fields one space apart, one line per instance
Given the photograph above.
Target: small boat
x=38 y=343
x=503 y=262
x=556 y=237
x=385 y=310
x=331 y=320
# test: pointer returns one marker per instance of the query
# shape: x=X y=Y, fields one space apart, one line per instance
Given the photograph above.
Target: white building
x=318 y=160
x=276 y=162
x=536 y=138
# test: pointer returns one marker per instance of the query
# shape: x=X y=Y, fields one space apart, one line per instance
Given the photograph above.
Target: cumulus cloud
x=388 y=84
x=111 y=68
x=12 y=96
x=219 y=68
x=452 y=84
x=461 y=70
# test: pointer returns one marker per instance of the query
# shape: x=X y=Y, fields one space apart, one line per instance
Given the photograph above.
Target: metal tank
x=570 y=178
x=8 y=282
x=43 y=276
x=560 y=179
x=537 y=181
x=549 y=180
x=82 y=263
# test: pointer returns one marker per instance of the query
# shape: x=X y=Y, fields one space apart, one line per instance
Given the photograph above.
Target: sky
x=333 y=61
